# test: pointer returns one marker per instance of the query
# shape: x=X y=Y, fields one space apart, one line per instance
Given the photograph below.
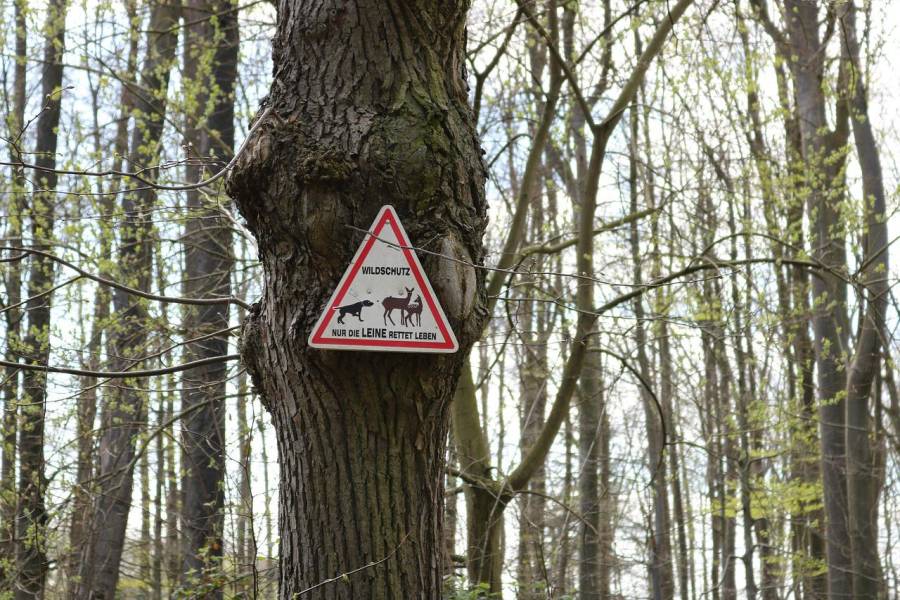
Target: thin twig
x=122 y=374
x=357 y=570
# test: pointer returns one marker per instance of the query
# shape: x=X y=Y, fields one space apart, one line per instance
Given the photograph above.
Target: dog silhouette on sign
x=354 y=310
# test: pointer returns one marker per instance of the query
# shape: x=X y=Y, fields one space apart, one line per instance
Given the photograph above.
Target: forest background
x=738 y=390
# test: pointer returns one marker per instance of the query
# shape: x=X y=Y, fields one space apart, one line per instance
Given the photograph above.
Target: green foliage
x=457 y=588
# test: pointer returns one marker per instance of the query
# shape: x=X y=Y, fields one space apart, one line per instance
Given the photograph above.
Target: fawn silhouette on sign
x=413 y=310
x=392 y=303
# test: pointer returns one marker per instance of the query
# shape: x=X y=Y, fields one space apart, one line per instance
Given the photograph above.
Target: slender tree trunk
x=830 y=322
x=145 y=548
x=87 y=412
x=713 y=462
x=666 y=379
x=172 y=561
x=451 y=514
x=267 y=500
x=246 y=545
x=596 y=535
x=728 y=476
x=808 y=527
x=484 y=503
x=743 y=399
x=534 y=372
x=87 y=400
x=863 y=481
x=121 y=414
x=16 y=206
x=684 y=557
x=533 y=369
x=532 y=506
x=208 y=265
x=32 y=514
x=660 y=550
x=561 y=549
x=159 y=496
x=361 y=436
x=593 y=445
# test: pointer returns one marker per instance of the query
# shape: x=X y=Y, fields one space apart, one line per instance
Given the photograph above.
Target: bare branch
x=122 y=374
x=125 y=288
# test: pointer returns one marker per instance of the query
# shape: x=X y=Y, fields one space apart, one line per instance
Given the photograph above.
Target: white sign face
x=384 y=302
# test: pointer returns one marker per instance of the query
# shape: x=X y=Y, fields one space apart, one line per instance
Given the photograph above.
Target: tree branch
x=125 y=288
x=122 y=374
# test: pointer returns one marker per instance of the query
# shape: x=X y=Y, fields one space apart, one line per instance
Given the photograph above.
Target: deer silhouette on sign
x=413 y=312
x=392 y=303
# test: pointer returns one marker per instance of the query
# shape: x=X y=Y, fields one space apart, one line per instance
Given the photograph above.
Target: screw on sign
x=384 y=271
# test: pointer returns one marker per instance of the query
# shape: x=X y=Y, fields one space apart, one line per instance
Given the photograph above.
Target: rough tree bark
x=211 y=38
x=368 y=107
x=124 y=406
x=32 y=515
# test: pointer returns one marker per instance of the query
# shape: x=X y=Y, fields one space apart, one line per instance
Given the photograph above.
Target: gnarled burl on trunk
x=368 y=107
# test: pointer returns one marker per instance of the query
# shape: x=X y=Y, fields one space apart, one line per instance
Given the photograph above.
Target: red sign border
x=386 y=216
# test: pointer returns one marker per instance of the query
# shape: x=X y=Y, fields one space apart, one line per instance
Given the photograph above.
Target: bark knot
x=323 y=165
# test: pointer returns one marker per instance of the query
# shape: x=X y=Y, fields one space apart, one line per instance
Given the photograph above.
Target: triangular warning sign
x=384 y=301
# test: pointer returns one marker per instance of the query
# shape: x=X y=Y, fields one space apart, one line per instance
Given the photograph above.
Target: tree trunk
x=531 y=568
x=87 y=399
x=267 y=502
x=484 y=503
x=368 y=108
x=593 y=444
x=534 y=373
x=830 y=322
x=666 y=376
x=158 y=495
x=660 y=550
x=172 y=563
x=9 y=388
x=208 y=265
x=246 y=540
x=32 y=514
x=863 y=481
x=713 y=462
x=145 y=547
x=121 y=414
